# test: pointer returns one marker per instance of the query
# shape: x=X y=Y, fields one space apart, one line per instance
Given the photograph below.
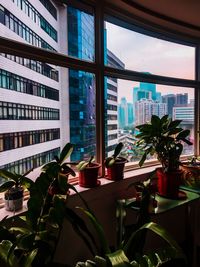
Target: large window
x=90 y=94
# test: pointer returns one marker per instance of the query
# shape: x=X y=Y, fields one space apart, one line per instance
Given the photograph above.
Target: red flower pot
x=116 y=171
x=169 y=182
x=88 y=176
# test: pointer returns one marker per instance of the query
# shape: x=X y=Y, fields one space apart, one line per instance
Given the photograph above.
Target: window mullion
x=99 y=58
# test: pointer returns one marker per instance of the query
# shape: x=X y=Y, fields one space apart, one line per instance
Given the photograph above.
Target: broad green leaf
x=7 y=185
x=9 y=175
x=174 y=124
x=66 y=152
x=63 y=184
x=183 y=134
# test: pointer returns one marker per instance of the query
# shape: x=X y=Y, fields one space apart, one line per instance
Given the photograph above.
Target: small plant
x=164 y=138
x=14 y=180
x=13 y=186
x=59 y=170
x=83 y=164
x=110 y=161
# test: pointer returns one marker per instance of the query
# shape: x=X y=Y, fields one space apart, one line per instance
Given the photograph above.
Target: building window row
x=29 y=10
x=18 y=83
x=15 y=25
x=14 y=140
x=14 y=111
x=35 y=161
x=112 y=127
x=112 y=117
x=112 y=97
x=111 y=107
x=112 y=137
x=50 y=7
x=34 y=65
x=112 y=87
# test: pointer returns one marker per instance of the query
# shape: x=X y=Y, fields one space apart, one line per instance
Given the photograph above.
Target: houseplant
x=164 y=138
x=88 y=173
x=115 y=164
x=130 y=250
x=33 y=241
x=13 y=186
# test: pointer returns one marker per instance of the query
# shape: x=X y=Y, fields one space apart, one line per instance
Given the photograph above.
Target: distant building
x=130 y=114
x=170 y=101
x=111 y=91
x=145 y=108
x=123 y=113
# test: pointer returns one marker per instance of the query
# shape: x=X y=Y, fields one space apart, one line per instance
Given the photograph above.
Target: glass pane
x=130 y=103
x=42 y=103
x=82 y=114
x=143 y=53
x=77 y=38
x=80 y=34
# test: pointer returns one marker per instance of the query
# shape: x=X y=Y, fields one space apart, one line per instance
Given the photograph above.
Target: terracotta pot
x=116 y=171
x=88 y=177
x=168 y=183
x=14 y=199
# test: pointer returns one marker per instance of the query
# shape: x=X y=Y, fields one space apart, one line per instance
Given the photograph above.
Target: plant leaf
x=118 y=149
x=9 y=175
x=66 y=152
x=7 y=185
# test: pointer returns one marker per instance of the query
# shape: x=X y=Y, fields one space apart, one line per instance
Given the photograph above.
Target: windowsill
x=139 y=174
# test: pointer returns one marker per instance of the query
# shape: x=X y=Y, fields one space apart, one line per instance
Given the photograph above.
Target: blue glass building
x=81 y=85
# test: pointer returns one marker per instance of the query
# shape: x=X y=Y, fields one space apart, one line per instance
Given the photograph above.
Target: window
x=148 y=54
x=90 y=94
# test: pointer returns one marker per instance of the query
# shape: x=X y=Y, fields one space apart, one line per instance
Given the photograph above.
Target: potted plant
x=115 y=164
x=88 y=173
x=31 y=239
x=164 y=138
x=13 y=186
x=59 y=171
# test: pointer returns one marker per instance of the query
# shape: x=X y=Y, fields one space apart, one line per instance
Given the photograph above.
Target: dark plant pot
x=88 y=176
x=168 y=183
x=116 y=171
x=14 y=199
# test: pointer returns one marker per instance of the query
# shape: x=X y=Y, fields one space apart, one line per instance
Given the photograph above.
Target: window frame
x=103 y=11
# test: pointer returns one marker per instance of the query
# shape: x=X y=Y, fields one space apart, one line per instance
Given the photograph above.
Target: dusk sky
x=147 y=54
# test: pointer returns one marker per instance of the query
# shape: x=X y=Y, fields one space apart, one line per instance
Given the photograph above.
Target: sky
x=147 y=54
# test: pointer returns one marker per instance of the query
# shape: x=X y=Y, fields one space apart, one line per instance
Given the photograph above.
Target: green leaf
x=141 y=162
x=99 y=229
x=21 y=230
x=183 y=134
x=174 y=124
x=109 y=162
x=29 y=259
x=118 y=149
x=9 y=175
x=118 y=259
x=6 y=185
x=28 y=183
x=155 y=121
x=66 y=152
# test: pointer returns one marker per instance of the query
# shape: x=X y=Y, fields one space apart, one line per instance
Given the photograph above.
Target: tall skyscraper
x=81 y=85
